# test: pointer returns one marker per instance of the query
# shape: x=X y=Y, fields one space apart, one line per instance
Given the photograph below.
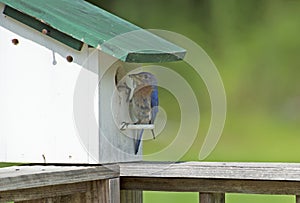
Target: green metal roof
x=96 y=27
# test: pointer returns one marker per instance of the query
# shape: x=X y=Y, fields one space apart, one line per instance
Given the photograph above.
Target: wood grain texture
x=131 y=196
x=114 y=191
x=214 y=170
x=297 y=198
x=24 y=177
x=101 y=191
x=74 y=198
x=42 y=194
x=211 y=185
x=212 y=197
x=103 y=184
x=109 y=191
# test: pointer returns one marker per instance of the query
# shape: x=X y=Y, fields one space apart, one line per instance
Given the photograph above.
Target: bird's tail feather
x=138 y=141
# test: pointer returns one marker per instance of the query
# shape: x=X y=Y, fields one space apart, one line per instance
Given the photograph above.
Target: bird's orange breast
x=147 y=90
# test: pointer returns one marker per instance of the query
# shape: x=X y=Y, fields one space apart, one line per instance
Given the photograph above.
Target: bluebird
x=143 y=101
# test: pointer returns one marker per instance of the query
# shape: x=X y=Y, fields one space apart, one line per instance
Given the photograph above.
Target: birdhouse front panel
x=62 y=96
x=58 y=103
x=38 y=76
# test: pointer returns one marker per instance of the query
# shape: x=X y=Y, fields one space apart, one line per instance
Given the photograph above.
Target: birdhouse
x=61 y=73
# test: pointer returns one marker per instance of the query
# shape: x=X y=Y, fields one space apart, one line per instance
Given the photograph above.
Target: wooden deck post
x=212 y=197
x=297 y=198
x=131 y=196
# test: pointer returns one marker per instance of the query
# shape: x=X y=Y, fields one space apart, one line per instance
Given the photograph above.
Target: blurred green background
x=256 y=47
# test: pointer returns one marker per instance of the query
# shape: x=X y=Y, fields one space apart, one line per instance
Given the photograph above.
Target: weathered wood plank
x=75 y=198
x=103 y=184
x=44 y=193
x=215 y=170
x=114 y=190
x=23 y=177
x=102 y=191
x=108 y=191
x=212 y=197
x=131 y=196
x=211 y=185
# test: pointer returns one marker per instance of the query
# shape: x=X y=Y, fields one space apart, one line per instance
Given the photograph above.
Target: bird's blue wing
x=154 y=104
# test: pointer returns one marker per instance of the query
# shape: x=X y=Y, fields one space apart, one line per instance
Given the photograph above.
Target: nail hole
x=45 y=31
x=15 y=41
x=69 y=59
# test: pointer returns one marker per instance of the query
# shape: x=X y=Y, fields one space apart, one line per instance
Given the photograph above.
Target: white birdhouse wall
x=58 y=105
x=38 y=77
x=115 y=145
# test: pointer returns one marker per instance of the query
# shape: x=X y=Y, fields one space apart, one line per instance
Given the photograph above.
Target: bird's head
x=143 y=78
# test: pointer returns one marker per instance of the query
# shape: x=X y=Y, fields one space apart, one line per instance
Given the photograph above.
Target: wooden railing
x=125 y=182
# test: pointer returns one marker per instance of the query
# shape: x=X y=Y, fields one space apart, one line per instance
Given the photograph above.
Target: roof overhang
x=76 y=22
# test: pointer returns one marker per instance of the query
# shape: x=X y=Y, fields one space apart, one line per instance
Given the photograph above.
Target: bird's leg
x=152 y=131
x=124 y=125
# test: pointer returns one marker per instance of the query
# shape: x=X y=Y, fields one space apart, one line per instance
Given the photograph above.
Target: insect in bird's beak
x=131 y=85
x=129 y=82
